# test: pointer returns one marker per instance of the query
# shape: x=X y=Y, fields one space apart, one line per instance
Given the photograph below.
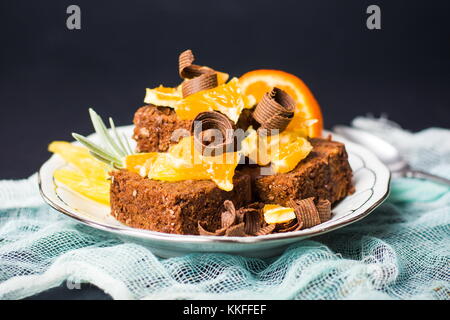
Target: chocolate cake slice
x=154 y=127
x=324 y=174
x=172 y=207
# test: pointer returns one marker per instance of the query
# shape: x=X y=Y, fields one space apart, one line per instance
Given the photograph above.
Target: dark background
x=50 y=75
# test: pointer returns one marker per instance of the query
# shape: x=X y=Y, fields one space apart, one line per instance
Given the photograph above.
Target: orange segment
x=135 y=162
x=284 y=151
x=183 y=162
x=169 y=97
x=226 y=98
x=163 y=96
x=258 y=82
x=255 y=148
x=97 y=190
x=286 y=156
x=88 y=176
x=222 y=77
x=80 y=158
x=274 y=213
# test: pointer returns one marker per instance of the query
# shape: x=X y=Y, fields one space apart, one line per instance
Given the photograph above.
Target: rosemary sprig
x=113 y=149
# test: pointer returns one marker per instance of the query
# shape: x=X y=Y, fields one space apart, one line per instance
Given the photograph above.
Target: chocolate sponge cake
x=154 y=127
x=177 y=207
x=172 y=207
x=324 y=174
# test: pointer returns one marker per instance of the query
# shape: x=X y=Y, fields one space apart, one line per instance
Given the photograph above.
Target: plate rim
x=177 y=238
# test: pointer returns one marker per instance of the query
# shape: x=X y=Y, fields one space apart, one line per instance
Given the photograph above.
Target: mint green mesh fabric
x=400 y=251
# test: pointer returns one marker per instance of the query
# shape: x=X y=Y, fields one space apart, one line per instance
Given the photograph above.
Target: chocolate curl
x=307 y=210
x=203 y=232
x=292 y=225
x=266 y=230
x=197 y=78
x=236 y=230
x=252 y=220
x=324 y=209
x=213 y=124
x=228 y=217
x=275 y=110
x=187 y=69
x=203 y=82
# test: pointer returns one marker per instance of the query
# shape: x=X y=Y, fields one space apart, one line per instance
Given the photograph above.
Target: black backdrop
x=49 y=75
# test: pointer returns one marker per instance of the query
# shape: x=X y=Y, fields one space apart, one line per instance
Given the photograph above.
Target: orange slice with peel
x=258 y=82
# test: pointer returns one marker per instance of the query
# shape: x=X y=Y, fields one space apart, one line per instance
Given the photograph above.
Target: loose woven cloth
x=400 y=251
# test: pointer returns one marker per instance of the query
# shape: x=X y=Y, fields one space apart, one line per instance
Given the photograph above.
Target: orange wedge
x=135 y=162
x=258 y=82
x=274 y=213
x=183 y=162
x=284 y=151
x=286 y=156
x=163 y=96
x=226 y=98
x=169 y=97
x=97 y=190
x=87 y=176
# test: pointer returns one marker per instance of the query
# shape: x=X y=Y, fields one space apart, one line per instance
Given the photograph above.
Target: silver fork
x=387 y=153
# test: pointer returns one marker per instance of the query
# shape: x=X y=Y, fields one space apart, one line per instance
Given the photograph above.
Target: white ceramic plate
x=371 y=179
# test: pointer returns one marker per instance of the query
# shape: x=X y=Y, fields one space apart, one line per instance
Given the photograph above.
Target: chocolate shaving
x=197 y=78
x=240 y=215
x=292 y=225
x=228 y=217
x=203 y=232
x=265 y=230
x=275 y=110
x=324 y=208
x=203 y=82
x=308 y=212
x=187 y=69
x=236 y=230
x=252 y=220
x=213 y=124
x=247 y=221
x=229 y=206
